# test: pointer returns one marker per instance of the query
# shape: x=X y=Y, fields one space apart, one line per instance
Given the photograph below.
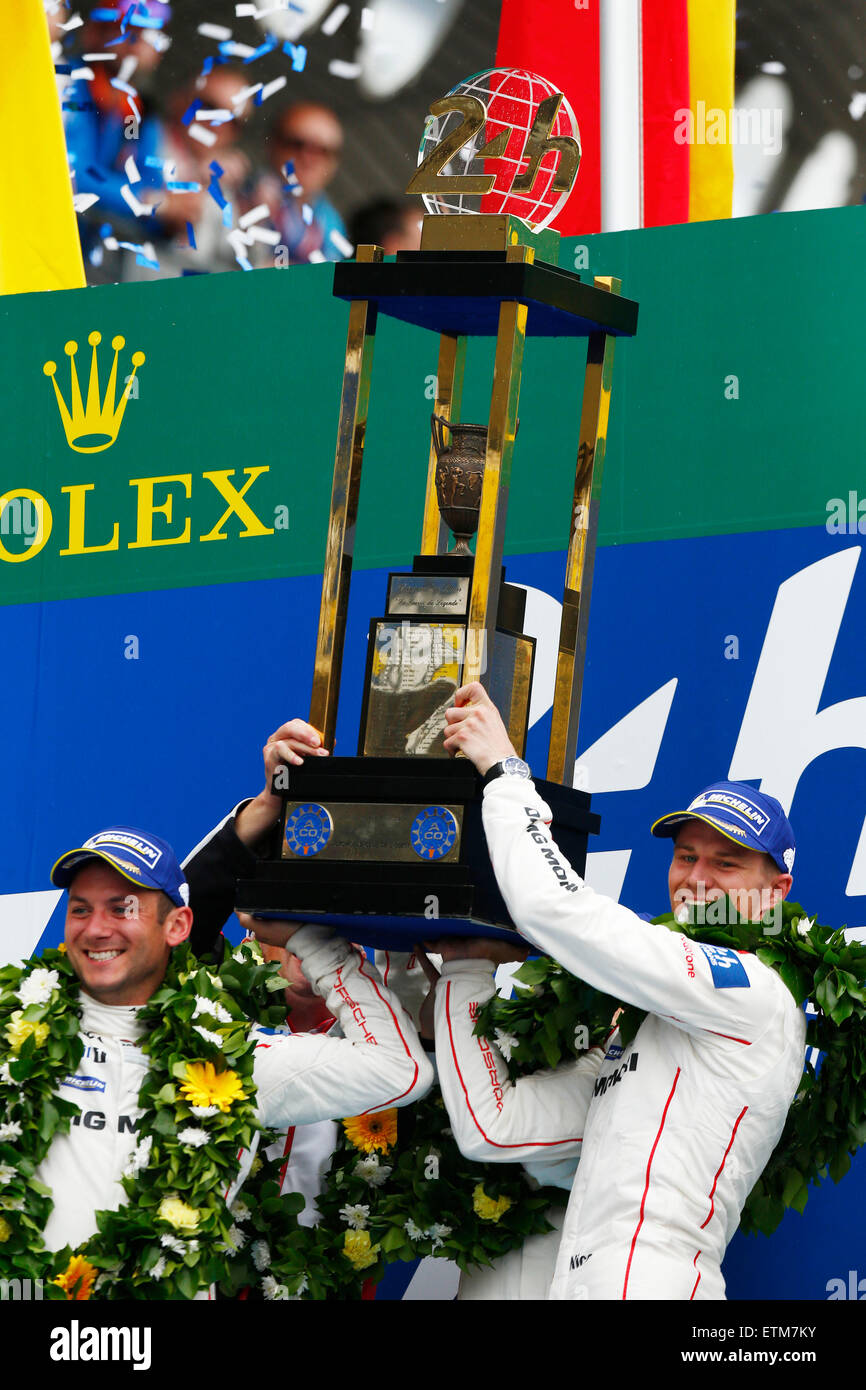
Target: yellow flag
x=39 y=245
x=712 y=25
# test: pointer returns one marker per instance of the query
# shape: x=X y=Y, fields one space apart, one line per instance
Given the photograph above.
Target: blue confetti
x=189 y=114
x=104 y=16
x=105 y=229
x=228 y=215
x=153 y=161
x=298 y=55
x=207 y=66
x=268 y=46
x=216 y=193
x=191 y=235
x=63 y=67
x=141 y=259
x=175 y=186
x=216 y=168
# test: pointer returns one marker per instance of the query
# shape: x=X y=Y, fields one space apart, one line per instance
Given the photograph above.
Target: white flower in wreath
x=439 y=1234
x=506 y=1042
x=212 y=1008
x=372 y=1171
x=172 y=1243
x=7 y=1173
x=355 y=1216
x=193 y=1136
x=300 y=1290
x=213 y=1038
x=139 y=1158
x=6 y=1076
x=235 y=1240
x=38 y=986
x=159 y=1268
x=240 y=1211
x=12 y=1130
x=804 y=926
x=413 y=1232
x=273 y=1291
x=204 y=1112
x=11 y=1203
x=261 y=1255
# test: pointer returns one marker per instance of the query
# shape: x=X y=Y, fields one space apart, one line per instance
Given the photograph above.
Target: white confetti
x=110 y=243
x=218 y=116
x=307 y=214
x=82 y=201
x=215 y=31
x=857 y=106
x=335 y=19
x=254 y=215
x=246 y=93
x=81 y=75
x=157 y=39
x=99 y=58
x=139 y=209
x=344 y=247
x=132 y=174
x=341 y=69
x=127 y=67
x=265 y=234
x=74 y=23
x=275 y=86
x=774 y=69
x=201 y=134
x=245 y=11
x=368 y=18
x=316 y=258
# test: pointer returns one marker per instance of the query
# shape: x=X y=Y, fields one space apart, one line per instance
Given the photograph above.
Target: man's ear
x=781 y=887
x=178 y=925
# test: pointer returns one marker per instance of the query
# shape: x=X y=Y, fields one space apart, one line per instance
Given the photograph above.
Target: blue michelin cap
x=143 y=858
x=746 y=816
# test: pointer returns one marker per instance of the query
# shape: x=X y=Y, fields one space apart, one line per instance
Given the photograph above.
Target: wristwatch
x=509 y=767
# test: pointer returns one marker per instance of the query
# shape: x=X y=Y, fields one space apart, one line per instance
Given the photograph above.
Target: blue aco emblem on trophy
x=433 y=832
x=308 y=829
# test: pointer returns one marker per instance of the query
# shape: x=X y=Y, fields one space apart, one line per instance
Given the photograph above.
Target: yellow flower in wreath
x=359 y=1250
x=206 y=1086
x=489 y=1208
x=369 y=1132
x=5 y=1230
x=178 y=1214
x=76 y=1281
x=19 y=1028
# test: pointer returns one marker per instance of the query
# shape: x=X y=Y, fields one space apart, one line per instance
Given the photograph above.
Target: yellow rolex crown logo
x=94 y=426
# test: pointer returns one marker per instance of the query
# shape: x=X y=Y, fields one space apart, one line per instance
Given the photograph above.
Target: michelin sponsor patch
x=85 y=1083
x=727 y=969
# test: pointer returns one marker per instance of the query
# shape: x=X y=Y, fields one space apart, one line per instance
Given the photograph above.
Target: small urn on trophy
x=459 y=477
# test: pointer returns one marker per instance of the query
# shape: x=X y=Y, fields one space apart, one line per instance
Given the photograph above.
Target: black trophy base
x=388 y=895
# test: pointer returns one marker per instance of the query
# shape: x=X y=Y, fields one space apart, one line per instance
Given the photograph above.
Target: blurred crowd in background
x=209 y=135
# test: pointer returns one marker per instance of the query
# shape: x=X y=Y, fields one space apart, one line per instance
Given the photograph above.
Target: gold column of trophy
x=379 y=844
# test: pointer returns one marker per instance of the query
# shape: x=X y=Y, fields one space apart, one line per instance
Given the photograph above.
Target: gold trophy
x=379 y=844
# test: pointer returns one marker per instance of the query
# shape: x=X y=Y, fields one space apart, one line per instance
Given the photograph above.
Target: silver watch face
x=515 y=767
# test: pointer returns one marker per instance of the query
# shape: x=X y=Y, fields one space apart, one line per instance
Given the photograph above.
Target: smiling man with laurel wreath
x=675 y=1124
x=127 y=911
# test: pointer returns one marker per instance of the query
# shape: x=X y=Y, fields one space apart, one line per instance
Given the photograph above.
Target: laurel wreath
x=554 y=1016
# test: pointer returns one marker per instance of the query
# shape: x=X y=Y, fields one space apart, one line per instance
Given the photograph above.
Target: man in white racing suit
x=675 y=1128
x=127 y=908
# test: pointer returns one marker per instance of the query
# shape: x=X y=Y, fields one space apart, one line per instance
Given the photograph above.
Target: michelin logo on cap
x=756 y=819
x=115 y=838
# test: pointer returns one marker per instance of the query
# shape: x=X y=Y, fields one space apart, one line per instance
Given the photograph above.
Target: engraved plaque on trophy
x=370 y=842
